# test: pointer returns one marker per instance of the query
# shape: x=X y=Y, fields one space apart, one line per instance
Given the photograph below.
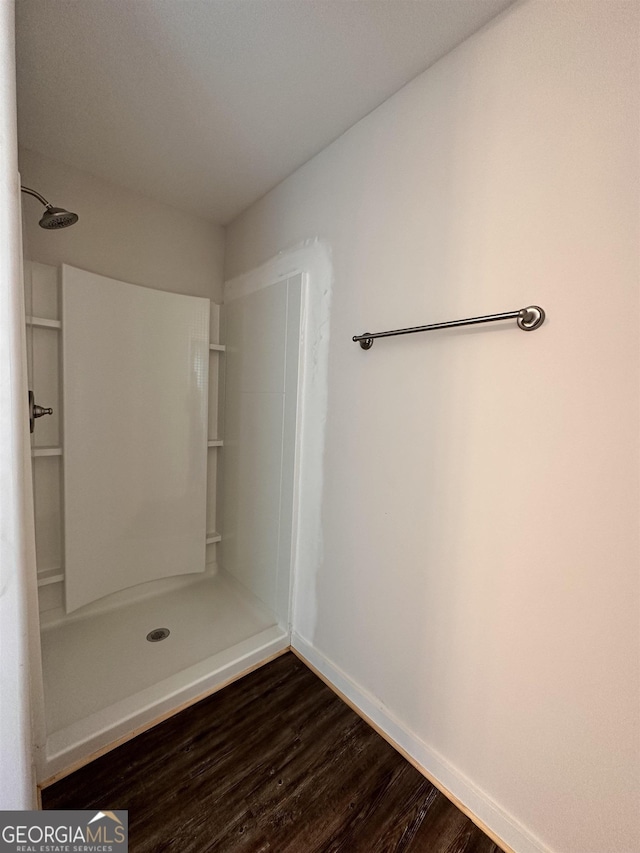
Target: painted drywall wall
x=480 y=506
x=19 y=654
x=120 y=234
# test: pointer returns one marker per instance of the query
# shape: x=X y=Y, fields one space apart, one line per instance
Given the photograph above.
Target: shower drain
x=158 y=634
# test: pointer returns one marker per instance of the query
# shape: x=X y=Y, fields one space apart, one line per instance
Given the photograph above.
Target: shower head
x=53 y=217
x=57 y=217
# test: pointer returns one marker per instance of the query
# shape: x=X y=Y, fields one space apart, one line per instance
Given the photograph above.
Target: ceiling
x=208 y=104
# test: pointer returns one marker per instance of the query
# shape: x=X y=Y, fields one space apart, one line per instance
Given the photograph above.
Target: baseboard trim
x=478 y=806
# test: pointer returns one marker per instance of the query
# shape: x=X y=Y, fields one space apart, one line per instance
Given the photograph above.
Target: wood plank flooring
x=275 y=763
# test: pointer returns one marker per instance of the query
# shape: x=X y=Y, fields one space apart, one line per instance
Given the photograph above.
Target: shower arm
x=37 y=195
x=53 y=217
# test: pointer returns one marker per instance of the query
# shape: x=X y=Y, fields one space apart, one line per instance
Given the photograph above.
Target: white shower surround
x=135 y=378
x=312 y=259
x=82 y=739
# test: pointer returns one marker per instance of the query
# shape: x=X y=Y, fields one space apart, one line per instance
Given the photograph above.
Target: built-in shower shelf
x=44 y=323
x=217 y=347
x=212 y=538
x=50 y=576
x=46 y=451
x=215 y=442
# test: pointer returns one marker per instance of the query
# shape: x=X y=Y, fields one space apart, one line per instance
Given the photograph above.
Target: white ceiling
x=207 y=104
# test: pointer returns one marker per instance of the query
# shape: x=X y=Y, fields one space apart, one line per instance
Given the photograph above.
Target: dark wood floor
x=275 y=762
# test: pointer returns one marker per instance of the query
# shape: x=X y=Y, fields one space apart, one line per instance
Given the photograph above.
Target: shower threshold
x=104 y=682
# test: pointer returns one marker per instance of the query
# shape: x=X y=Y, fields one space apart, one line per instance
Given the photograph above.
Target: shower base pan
x=104 y=681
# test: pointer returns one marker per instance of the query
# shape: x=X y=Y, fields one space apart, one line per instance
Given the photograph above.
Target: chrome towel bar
x=528 y=319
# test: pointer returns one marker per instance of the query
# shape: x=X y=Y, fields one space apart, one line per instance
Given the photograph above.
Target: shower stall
x=164 y=492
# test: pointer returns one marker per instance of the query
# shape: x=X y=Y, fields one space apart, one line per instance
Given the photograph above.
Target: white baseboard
x=483 y=811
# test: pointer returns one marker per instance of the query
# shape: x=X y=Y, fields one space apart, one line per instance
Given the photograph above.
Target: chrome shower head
x=53 y=217
x=57 y=217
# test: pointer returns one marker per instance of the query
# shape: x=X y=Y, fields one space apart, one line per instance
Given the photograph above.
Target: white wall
x=120 y=234
x=18 y=608
x=480 y=506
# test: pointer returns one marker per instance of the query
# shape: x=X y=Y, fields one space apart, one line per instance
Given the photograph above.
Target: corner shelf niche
x=44 y=297
x=43 y=323
x=49 y=576
x=214 y=443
